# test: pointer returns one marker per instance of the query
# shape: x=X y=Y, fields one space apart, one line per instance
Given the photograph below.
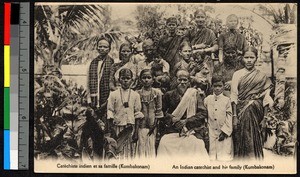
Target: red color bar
x=7 y=23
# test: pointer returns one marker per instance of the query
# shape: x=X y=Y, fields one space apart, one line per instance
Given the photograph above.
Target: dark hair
x=217 y=78
x=251 y=49
x=172 y=20
x=146 y=70
x=195 y=122
x=200 y=11
x=124 y=71
x=185 y=43
x=125 y=44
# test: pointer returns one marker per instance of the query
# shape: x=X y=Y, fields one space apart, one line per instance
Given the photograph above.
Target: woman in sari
x=250 y=96
x=125 y=54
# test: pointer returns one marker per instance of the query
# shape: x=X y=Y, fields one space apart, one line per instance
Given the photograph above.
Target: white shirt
x=117 y=111
x=219 y=114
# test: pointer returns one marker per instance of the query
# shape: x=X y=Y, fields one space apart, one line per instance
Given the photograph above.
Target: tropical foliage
x=69 y=32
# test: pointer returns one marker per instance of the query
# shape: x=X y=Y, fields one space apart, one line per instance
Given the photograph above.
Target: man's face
x=218 y=88
x=183 y=82
x=172 y=27
x=103 y=47
x=200 y=19
x=125 y=80
x=149 y=51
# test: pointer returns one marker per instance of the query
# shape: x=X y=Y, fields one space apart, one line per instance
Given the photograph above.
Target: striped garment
x=104 y=82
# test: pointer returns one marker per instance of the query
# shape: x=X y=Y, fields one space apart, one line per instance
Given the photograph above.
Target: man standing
x=98 y=77
x=168 y=45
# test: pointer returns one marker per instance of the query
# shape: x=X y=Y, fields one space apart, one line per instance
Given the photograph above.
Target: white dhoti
x=185 y=148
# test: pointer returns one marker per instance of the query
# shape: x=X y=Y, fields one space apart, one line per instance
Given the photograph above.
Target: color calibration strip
x=16 y=85
x=7 y=13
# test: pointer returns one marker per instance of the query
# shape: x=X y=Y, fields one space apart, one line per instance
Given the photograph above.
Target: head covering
x=172 y=20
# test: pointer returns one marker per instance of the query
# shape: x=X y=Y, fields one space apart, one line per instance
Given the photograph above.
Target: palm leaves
x=70 y=31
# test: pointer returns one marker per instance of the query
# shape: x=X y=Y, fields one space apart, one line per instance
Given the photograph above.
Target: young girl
x=123 y=108
x=219 y=122
x=151 y=99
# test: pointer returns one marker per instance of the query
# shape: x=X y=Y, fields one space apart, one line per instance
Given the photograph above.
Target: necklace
x=146 y=99
x=125 y=104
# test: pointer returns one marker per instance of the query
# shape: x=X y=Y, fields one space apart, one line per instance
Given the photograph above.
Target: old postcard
x=165 y=88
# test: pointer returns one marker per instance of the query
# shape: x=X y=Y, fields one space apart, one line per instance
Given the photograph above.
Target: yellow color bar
x=6 y=66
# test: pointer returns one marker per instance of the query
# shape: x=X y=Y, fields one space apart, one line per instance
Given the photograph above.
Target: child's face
x=125 y=80
x=218 y=88
x=147 y=79
x=232 y=23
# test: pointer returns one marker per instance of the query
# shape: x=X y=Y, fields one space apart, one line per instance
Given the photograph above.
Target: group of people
x=176 y=100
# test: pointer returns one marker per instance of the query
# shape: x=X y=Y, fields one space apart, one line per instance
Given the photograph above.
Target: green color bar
x=6 y=108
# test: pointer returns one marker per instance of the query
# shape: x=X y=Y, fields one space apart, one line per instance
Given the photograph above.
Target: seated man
x=187 y=147
x=180 y=105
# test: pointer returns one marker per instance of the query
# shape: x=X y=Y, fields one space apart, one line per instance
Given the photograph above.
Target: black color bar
x=15 y=13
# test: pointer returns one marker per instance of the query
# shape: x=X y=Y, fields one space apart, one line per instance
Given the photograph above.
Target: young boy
x=123 y=108
x=219 y=122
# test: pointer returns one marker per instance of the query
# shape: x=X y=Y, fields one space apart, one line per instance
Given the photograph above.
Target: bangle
x=234 y=116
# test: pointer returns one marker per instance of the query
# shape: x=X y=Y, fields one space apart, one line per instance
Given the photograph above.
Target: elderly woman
x=250 y=97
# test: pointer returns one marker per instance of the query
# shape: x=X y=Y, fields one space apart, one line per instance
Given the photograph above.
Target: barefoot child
x=219 y=122
x=123 y=108
x=151 y=99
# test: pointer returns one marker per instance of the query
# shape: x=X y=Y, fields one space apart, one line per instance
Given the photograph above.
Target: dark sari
x=248 y=138
x=169 y=48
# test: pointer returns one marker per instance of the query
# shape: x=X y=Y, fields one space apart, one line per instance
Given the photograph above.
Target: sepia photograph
x=165 y=88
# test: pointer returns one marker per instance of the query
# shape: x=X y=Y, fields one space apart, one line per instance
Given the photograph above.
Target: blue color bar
x=6 y=150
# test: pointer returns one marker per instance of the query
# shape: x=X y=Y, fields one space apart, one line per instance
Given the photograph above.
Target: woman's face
x=125 y=53
x=172 y=27
x=249 y=60
x=186 y=52
x=200 y=19
x=232 y=23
